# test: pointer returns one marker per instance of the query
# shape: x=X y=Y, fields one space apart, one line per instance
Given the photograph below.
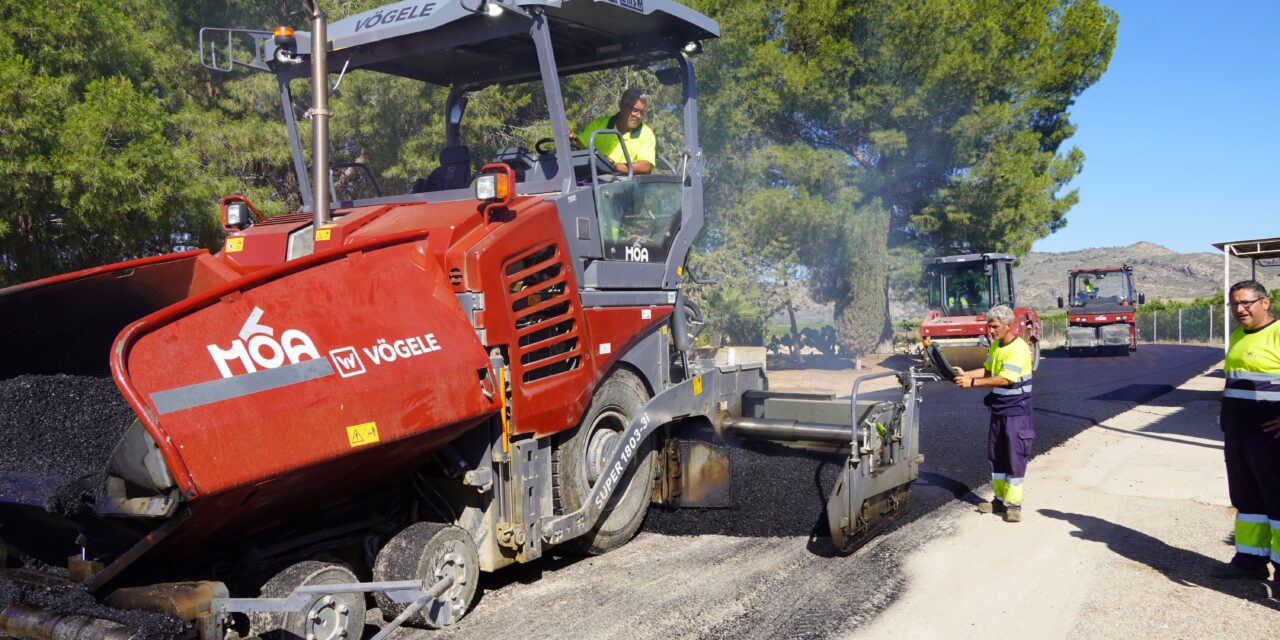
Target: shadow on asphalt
x=1182 y=566
x=1162 y=429
x=960 y=490
x=1135 y=393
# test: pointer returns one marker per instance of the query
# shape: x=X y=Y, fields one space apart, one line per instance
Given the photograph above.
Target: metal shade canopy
x=442 y=42
x=1260 y=252
x=968 y=257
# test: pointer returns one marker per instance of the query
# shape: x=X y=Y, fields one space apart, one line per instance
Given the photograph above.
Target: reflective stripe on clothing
x=1005 y=391
x=1013 y=494
x=1253 y=534
x=1000 y=485
x=1252 y=385
x=1253 y=375
x=1275 y=541
x=1265 y=396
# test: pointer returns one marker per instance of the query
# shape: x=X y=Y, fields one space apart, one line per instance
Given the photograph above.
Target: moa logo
x=257 y=348
x=637 y=253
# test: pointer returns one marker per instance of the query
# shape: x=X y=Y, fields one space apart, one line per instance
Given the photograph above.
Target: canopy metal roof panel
x=1265 y=250
x=450 y=42
x=968 y=257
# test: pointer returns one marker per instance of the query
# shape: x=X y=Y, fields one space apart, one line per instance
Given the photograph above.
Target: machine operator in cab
x=1007 y=373
x=1251 y=428
x=641 y=145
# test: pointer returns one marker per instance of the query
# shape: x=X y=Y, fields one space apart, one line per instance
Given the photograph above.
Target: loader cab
x=503 y=82
x=969 y=285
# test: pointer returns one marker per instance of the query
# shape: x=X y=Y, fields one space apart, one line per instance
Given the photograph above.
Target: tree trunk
x=795 y=328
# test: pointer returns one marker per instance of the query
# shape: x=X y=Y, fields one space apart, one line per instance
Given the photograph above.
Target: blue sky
x=1182 y=134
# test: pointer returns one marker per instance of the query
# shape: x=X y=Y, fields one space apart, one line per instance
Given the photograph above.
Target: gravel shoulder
x=1122 y=525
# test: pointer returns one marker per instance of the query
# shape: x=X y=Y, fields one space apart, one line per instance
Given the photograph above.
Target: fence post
x=1179 y=325
x=1155 y=326
x=1210 y=340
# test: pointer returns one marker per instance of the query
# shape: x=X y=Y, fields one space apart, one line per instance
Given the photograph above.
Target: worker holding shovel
x=1007 y=373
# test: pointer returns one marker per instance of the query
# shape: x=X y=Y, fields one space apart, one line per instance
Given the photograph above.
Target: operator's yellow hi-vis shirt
x=641 y=144
x=1012 y=362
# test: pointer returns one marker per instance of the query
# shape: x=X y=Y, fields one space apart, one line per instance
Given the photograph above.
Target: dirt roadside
x=1121 y=528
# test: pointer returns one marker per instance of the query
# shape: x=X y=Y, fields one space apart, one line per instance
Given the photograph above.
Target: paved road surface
x=765 y=569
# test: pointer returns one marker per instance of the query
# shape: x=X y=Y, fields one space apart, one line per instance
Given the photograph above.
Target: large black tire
x=429 y=551
x=579 y=455
x=332 y=617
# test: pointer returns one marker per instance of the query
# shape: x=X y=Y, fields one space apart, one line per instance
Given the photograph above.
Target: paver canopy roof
x=448 y=42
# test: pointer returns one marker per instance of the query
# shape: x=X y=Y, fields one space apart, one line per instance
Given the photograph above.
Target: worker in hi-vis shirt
x=1007 y=373
x=1250 y=431
x=638 y=139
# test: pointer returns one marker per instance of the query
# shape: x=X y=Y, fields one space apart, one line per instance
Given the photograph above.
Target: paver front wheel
x=579 y=460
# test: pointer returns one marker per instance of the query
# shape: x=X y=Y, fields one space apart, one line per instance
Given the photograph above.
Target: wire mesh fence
x=1187 y=325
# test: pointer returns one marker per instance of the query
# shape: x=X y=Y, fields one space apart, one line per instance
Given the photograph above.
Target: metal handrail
x=591 y=146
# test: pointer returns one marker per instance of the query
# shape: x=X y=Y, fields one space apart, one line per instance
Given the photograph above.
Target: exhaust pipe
x=319 y=113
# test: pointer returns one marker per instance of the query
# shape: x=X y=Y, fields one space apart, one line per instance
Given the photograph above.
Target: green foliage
x=731 y=319
x=93 y=165
x=946 y=117
x=844 y=141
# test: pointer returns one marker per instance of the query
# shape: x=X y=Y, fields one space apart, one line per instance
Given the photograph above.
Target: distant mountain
x=1159 y=272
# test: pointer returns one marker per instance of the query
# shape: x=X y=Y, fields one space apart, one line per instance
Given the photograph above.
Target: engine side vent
x=548 y=335
x=455 y=278
x=288 y=218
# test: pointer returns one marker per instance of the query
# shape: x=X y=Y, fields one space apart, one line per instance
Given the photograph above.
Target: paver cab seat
x=454 y=171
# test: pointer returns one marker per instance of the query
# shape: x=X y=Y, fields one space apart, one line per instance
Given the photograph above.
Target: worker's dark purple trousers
x=1009 y=444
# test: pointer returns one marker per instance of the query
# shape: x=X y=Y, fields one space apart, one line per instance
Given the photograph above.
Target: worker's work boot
x=1013 y=514
x=991 y=506
x=1233 y=571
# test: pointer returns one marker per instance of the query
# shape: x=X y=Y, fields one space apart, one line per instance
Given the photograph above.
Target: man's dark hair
x=1251 y=285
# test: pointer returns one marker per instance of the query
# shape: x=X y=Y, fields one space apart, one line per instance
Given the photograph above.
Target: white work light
x=492 y=8
x=237 y=215
x=487 y=187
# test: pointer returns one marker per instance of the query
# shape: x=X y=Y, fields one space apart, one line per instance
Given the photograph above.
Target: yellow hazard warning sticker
x=234 y=245
x=362 y=434
x=697 y=385
x=323 y=234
